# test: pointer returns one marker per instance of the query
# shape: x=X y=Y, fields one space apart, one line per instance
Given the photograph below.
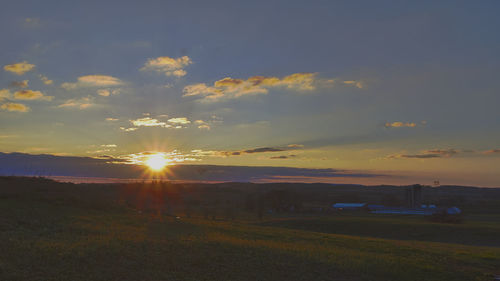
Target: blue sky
x=386 y=86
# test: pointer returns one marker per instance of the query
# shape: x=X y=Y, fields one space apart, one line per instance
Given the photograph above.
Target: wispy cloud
x=167 y=65
x=10 y=106
x=19 y=84
x=427 y=154
x=356 y=83
x=202 y=125
x=492 y=151
x=149 y=122
x=233 y=88
x=93 y=81
x=45 y=79
x=19 y=68
x=109 y=145
x=128 y=129
x=5 y=94
x=400 y=124
x=283 y=157
x=111 y=119
x=267 y=149
x=230 y=88
x=108 y=92
x=31 y=95
x=179 y=121
x=81 y=103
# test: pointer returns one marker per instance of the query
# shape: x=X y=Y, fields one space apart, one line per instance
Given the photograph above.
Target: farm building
x=348 y=206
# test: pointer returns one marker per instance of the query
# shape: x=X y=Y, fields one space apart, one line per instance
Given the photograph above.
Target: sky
x=405 y=89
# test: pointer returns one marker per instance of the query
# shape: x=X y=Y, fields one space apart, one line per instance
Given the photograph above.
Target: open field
x=471 y=232
x=51 y=231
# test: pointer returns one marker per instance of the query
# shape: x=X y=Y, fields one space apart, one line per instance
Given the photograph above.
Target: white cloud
x=128 y=129
x=149 y=122
x=110 y=119
x=19 y=68
x=167 y=65
x=179 y=120
x=93 y=81
x=109 y=145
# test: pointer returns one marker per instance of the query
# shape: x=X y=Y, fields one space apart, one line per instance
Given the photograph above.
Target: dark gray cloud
x=283 y=156
x=263 y=149
x=433 y=153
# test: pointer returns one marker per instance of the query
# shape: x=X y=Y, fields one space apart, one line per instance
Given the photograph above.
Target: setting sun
x=156 y=162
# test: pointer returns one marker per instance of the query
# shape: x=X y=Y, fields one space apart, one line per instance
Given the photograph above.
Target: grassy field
x=48 y=236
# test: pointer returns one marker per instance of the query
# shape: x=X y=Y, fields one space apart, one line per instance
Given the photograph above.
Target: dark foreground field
x=51 y=231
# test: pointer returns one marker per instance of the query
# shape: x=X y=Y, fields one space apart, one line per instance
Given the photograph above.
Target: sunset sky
x=403 y=88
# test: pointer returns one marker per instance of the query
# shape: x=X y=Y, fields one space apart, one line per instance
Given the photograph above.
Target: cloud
x=357 y=84
x=128 y=129
x=281 y=157
x=19 y=68
x=5 y=94
x=427 y=154
x=45 y=80
x=15 y=107
x=31 y=95
x=400 y=124
x=263 y=149
x=104 y=93
x=93 y=81
x=234 y=88
x=109 y=145
x=201 y=89
x=255 y=150
x=167 y=65
x=110 y=119
x=19 y=84
x=149 y=122
x=492 y=151
x=179 y=120
x=107 y=93
x=82 y=103
x=204 y=127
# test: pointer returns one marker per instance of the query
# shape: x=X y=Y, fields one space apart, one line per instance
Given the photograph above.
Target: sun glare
x=156 y=162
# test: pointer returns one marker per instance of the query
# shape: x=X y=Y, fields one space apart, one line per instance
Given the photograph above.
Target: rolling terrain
x=59 y=231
